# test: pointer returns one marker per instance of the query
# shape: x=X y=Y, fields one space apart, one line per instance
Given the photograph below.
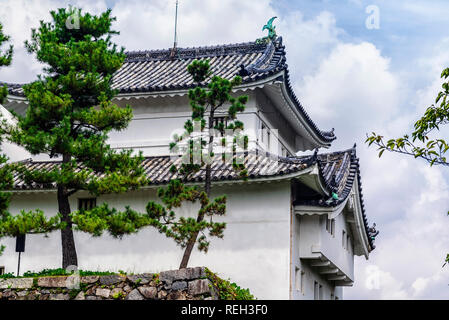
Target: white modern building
x=293 y=228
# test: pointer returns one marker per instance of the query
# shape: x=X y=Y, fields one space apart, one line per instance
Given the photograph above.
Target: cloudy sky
x=351 y=74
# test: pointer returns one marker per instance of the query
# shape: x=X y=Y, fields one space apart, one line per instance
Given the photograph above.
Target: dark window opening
x=218 y=121
x=87 y=204
x=303 y=193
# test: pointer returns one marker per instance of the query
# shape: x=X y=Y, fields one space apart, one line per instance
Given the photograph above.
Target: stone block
x=200 y=286
x=182 y=274
x=52 y=282
x=148 y=292
x=177 y=295
x=104 y=293
x=80 y=296
x=116 y=292
x=59 y=296
x=134 y=295
x=111 y=279
x=162 y=294
x=89 y=279
x=22 y=293
x=139 y=279
x=20 y=283
x=179 y=285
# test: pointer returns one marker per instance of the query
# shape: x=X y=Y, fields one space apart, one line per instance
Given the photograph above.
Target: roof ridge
x=349 y=150
x=199 y=51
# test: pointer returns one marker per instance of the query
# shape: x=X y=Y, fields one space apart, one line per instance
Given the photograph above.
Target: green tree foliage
x=25 y=222
x=119 y=223
x=181 y=229
x=421 y=144
x=70 y=114
x=5 y=60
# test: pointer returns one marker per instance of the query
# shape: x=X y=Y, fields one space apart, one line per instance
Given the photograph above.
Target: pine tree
x=5 y=60
x=212 y=96
x=24 y=222
x=70 y=114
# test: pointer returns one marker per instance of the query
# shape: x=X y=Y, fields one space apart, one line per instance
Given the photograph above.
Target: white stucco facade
x=256 y=241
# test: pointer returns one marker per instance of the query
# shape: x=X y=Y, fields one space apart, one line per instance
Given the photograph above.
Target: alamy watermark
x=231 y=145
x=373 y=20
x=73 y=281
x=73 y=21
x=372 y=280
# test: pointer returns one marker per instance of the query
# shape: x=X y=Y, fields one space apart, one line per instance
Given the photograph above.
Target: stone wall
x=184 y=284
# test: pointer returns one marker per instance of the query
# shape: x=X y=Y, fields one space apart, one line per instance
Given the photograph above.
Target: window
x=2 y=270
x=343 y=239
x=303 y=276
x=348 y=242
x=218 y=120
x=265 y=136
x=317 y=291
x=299 y=280
x=87 y=203
x=330 y=226
x=283 y=152
x=268 y=140
x=262 y=132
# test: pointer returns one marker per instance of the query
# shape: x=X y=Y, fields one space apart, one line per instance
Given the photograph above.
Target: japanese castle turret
x=293 y=227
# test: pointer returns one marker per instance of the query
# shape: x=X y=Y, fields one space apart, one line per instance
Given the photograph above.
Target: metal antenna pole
x=176 y=26
x=175 y=42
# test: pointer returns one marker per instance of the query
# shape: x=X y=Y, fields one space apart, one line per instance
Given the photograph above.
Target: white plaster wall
x=308 y=231
x=156 y=120
x=314 y=237
x=254 y=252
x=332 y=246
x=304 y=234
x=306 y=292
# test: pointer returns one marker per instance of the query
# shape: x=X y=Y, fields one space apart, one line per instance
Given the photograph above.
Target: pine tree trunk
x=192 y=241
x=69 y=256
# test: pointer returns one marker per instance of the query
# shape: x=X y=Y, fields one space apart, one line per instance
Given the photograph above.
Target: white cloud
x=353 y=84
x=413 y=247
x=355 y=90
x=18 y=18
x=200 y=23
x=308 y=41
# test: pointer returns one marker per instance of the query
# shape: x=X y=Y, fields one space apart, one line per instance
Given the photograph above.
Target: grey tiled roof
x=157 y=169
x=337 y=170
x=155 y=71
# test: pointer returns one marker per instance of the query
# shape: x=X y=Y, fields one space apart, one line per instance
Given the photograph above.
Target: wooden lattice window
x=220 y=119
x=87 y=203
